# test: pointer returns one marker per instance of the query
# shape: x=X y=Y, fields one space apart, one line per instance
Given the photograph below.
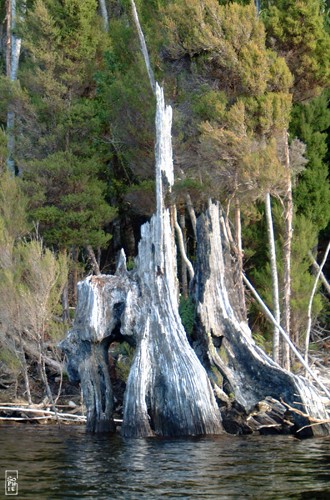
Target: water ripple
x=68 y=463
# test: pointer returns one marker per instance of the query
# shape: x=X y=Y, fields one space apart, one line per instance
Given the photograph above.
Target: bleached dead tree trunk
x=287 y=246
x=104 y=14
x=181 y=244
x=273 y=267
x=191 y=212
x=12 y=60
x=143 y=46
x=322 y=277
x=239 y=245
x=310 y=303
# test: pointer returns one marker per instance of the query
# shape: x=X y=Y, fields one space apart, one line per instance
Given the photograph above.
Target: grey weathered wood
x=225 y=342
x=101 y=300
x=168 y=392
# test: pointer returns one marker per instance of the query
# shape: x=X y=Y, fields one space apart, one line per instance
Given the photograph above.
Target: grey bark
x=275 y=287
x=310 y=303
x=168 y=392
x=225 y=343
x=12 y=60
x=322 y=277
x=91 y=255
x=288 y=218
x=191 y=212
x=144 y=49
x=104 y=13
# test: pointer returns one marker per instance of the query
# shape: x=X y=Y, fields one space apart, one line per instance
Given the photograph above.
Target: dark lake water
x=68 y=463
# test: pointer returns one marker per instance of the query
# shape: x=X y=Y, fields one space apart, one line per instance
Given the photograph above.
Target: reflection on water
x=68 y=463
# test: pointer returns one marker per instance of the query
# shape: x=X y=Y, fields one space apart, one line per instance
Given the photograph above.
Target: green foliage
x=209 y=104
x=67 y=199
x=123 y=355
x=312 y=194
x=13 y=206
x=298 y=31
x=3 y=150
x=31 y=279
x=10 y=360
x=268 y=114
x=187 y=314
x=125 y=96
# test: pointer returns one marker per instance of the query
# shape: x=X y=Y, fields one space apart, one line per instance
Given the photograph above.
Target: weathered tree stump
x=225 y=343
x=168 y=392
x=101 y=300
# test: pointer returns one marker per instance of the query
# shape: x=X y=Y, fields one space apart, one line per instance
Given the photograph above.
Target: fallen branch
x=24 y=419
x=63 y=416
x=315 y=421
x=44 y=412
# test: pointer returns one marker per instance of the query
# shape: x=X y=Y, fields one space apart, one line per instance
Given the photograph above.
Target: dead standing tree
x=168 y=392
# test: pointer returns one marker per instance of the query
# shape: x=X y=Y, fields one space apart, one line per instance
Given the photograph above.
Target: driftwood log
x=175 y=388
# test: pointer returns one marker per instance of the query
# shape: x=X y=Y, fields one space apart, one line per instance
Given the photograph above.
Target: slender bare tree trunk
x=310 y=304
x=238 y=231
x=324 y=280
x=184 y=280
x=74 y=274
x=8 y=37
x=25 y=370
x=65 y=304
x=275 y=287
x=143 y=46
x=12 y=59
x=187 y=263
x=93 y=260
x=288 y=216
x=104 y=14
x=191 y=212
